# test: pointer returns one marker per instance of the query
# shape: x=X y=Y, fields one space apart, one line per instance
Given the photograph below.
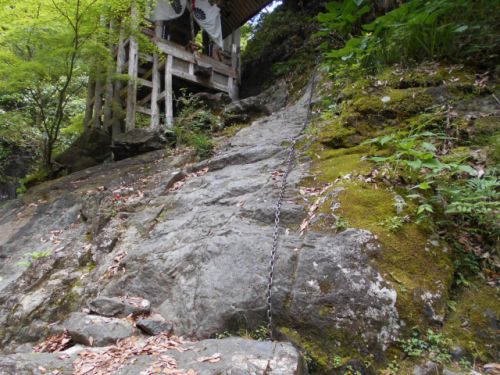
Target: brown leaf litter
x=110 y=359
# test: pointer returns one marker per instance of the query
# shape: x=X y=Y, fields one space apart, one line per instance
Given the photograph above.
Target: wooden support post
x=133 y=67
x=169 y=98
x=121 y=56
x=98 y=102
x=233 y=83
x=155 y=93
x=108 y=94
x=89 y=104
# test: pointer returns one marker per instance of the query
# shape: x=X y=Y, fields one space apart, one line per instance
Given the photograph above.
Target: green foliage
x=441 y=184
x=392 y=368
x=412 y=152
x=33 y=178
x=194 y=124
x=417 y=30
x=433 y=345
x=43 y=49
x=341 y=224
x=29 y=258
x=271 y=29
x=394 y=223
x=342 y=16
x=476 y=199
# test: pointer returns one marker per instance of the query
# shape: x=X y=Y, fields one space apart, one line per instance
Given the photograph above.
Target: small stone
x=386 y=99
x=106 y=306
x=93 y=330
x=449 y=372
x=430 y=368
x=154 y=327
x=119 y=306
x=458 y=353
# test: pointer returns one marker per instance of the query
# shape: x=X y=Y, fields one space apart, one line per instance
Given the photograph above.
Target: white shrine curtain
x=167 y=10
x=204 y=13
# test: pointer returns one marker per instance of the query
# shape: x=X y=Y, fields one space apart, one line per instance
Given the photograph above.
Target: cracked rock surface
x=195 y=241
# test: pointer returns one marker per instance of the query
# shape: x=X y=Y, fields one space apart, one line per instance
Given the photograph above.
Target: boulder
x=119 y=306
x=269 y=101
x=91 y=148
x=213 y=101
x=154 y=326
x=136 y=142
x=15 y=162
x=93 y=330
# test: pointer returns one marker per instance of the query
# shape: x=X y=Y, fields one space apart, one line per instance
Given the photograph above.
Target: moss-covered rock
x=474 y=322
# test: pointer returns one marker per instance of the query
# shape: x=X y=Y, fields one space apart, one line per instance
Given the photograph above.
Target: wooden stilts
x=233 y=83
x=108 y=94
x=117 y=105
x=155 y=93
x=169 y=105
x=98 y=103
x=89 y=104
x=133 y=66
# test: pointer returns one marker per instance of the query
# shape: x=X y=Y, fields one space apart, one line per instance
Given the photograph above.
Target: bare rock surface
x=207 y=357
x=194 y=240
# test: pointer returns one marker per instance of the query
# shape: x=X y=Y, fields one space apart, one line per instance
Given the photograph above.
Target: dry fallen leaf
x=212 y=359
x=492 y=368
x=56 y=343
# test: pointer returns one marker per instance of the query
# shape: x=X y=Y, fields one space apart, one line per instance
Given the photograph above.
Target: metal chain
x=277 y=214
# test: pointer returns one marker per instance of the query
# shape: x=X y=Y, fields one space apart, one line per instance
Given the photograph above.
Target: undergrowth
x=195 y=124
x=418 y=30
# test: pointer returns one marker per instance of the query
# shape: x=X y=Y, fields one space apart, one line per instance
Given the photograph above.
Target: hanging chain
x=277 y=214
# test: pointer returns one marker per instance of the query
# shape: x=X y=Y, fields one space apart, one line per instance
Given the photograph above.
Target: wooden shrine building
x=117 y=105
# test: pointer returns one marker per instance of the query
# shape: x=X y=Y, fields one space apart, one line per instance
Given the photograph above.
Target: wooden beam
x=108 y=91
x=169 y=97
x=144 y=82
x=99 y=87
x=179 y=52
x=144 y=110
x=89 y=103
x=203 y=82
x=233 y=82
x=144 y=100
x=155 y=92
x=121 y=56
x=133 y=66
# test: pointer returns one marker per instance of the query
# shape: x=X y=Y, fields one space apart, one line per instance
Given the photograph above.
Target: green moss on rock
x=474 y=323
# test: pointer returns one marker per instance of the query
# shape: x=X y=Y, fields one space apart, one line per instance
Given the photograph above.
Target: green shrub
x=449 y=191
x=432 y=345
x=271 y=29
x=33 y=179
x=453 y=30
x=194 y=125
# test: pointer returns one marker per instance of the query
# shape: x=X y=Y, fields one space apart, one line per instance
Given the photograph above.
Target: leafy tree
x=45 y=47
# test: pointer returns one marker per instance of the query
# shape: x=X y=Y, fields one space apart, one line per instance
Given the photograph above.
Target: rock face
x=232 y=356
x=196 y=245
x=15 y=162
